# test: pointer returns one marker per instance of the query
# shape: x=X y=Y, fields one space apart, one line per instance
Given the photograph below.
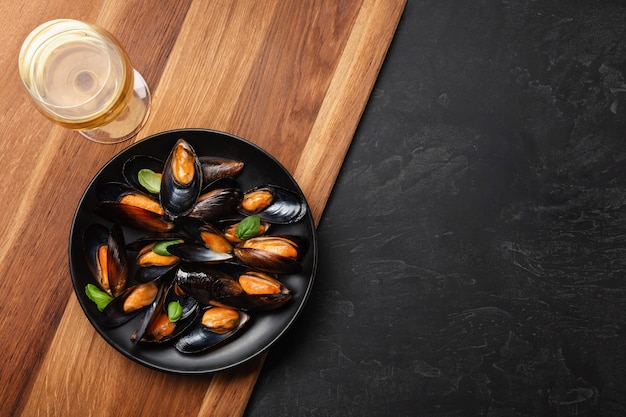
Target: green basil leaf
x=149 y=180
x=160 y=248
x=99 y=297
x=248 y=227
x=174 y=311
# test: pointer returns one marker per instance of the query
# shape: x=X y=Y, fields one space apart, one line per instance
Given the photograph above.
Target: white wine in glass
x=80 y=77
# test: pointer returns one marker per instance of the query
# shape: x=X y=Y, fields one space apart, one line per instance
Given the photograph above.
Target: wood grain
x=292 y=77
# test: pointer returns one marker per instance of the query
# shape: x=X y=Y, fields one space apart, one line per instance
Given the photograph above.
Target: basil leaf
x=174 y=311
x=99 y=297
x=149 y=180
x=160 y=248
x=248 y=227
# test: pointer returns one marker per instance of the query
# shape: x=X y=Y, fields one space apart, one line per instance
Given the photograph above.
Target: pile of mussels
x=194 y=255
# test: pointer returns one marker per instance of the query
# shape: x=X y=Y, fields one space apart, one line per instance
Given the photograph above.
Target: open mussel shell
x=134 y=217
x=218 y=200
x=205 y=282
x=181 y=182
x=218 y=325
x=156 y=326
x=132 y=166
x=273 y=254
x=230 y=229
x=204 y=233
x=262 y=292
x=214 y=168
x=128 y=304
x=152 y=266
x=121 y=203
x=274 y=204
x=112 y=276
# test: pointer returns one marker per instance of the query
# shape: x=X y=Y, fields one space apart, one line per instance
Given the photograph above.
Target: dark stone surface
x=472 y=252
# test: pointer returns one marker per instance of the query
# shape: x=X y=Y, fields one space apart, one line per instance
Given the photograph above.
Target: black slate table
x=472 y=253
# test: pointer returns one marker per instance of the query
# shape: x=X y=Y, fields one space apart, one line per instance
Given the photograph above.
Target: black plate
x=265 y=328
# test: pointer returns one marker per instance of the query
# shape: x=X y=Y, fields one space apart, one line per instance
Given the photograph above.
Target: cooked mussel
x=273 y=254
x=153 y=258
x=262 y=292
x=218 y=324
x=181 y=182
x=106 y=257
x=122 y=203
x=159 y=326
x=274 y=204
x=127 y=304
x=205 y=233
x=230 y=231
x=209 y=245
x=214 y=168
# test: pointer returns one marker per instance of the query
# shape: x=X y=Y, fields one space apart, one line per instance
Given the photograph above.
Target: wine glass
x=80 y=77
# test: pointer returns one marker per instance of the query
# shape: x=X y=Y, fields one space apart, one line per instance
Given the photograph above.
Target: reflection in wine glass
x=80 y=77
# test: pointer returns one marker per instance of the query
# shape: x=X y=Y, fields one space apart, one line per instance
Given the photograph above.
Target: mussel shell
x=178 y=199
x=117 y=260
x=268 y=261
x=200 y=339
x=190 y=313
x=114 y=314
x=204 y=233
x=205 y=283
x=214 y=168
x=153 y=272
x=97 y=235
x=256 y=298
x=219 y=200
x=287 y=206
x=131 y=168
x=253 y=302
x=195 y=252
x=150 y=312
x=134 y=217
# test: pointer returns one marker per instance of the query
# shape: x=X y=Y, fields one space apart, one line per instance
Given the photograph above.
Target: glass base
x=130 y=121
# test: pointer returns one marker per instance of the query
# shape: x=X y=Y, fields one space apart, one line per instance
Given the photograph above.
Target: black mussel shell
x=253 y=302
x=263 y=291
x=117 y=263
x=157 y=327
x=201 y=232
x=117 y=312
x=112 y=207
x=134 y=217
x=218 y=200
x=177 y=196
x=131 y=168
x=196 y=252
x=214 y=168
x=97 y=235
x=201 y=338
x=205 y=283
x=252 y=253
x=286 y=206
x=152 y=273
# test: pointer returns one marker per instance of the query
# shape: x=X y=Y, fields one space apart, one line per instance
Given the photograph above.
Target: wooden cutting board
x=292 y=77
